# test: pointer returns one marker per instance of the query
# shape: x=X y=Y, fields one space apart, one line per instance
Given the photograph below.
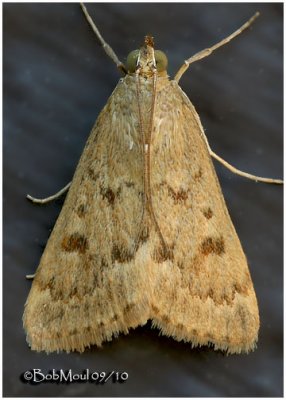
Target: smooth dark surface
x=56 y=81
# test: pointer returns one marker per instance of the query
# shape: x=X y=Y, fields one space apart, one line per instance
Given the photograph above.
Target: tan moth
x=144 y=232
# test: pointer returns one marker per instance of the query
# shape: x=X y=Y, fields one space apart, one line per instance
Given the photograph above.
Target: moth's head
x=146 y=60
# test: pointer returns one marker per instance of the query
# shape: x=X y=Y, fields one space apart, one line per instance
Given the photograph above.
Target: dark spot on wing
x=114 y=318
x=75 y=243
x=74 y=292
x=227 y=297
x=56 y=293
x=155 y=309
x=208 y=213
x=81 y=210
x=128 y=308
x=109 y=194
x=179 y=196
x=165 y=319
x=51 y=283
x=129 y=184
x=120 y=254
x=94 y=176
x=198 y=174
x=212 y=245
x=162 y=254
x=241 y=288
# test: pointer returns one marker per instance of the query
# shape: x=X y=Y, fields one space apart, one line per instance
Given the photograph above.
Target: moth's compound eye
x=161 y=60
x=131 y=61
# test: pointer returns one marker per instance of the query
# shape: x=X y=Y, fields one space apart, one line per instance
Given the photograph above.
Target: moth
x=144 y=233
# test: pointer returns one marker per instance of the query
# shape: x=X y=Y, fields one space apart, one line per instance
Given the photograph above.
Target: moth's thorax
x=146 y=82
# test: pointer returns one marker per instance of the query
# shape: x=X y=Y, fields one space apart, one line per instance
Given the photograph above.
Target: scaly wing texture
x=90 y=284
x=94 y=281
x=204 y=294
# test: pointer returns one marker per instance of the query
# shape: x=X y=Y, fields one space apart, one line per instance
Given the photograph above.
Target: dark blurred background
x=56 y=81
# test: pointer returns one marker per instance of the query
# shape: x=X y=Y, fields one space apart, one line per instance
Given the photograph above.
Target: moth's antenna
x=206 y=52
x=108 y=50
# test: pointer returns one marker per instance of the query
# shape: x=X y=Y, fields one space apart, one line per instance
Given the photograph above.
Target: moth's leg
x=50 y=198
x=225 y=163
x=241 y=173
x=206 y=52
x=44 y=201
x=108 y=50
